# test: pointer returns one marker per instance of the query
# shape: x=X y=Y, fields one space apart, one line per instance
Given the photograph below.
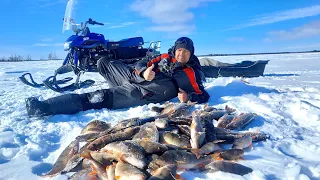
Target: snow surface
x=287 y=100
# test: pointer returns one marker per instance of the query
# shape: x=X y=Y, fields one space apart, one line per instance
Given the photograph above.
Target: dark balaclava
x=183 y=42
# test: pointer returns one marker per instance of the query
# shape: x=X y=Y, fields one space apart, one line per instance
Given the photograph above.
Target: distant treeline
x=259 y=53
x=53 y=56
x=16 y=58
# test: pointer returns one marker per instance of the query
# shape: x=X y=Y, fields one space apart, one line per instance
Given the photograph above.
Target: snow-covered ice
x=287 y=100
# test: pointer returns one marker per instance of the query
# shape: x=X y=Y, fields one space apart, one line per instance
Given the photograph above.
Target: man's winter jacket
x=187 y=77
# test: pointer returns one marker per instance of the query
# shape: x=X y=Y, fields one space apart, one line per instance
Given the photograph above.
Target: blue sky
x=34 y=27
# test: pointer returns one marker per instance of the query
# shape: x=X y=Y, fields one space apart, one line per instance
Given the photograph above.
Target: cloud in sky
x=121 y=25
x=281 y=16
x=168 y=15
x=306 y=31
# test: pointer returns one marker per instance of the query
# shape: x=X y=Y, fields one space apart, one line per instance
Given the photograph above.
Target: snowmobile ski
x=53 y=84
x=32 y=83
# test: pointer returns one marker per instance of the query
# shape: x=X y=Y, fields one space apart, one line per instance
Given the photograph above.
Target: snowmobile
x=85 y=48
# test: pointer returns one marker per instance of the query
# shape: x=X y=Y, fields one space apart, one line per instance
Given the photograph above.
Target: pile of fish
x=180 y=138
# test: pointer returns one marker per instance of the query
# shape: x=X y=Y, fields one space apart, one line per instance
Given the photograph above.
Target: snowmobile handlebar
x=92 y=22
x=83 y=26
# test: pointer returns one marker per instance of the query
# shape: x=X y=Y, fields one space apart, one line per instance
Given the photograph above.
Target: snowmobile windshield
x=69 y=15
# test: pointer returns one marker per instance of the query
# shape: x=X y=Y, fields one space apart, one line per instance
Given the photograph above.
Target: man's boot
x=64 y=104
x=69 y=103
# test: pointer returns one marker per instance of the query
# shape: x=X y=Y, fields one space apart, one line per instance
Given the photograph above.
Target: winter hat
x=183 y=42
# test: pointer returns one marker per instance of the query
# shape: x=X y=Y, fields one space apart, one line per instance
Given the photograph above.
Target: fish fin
x=180 y=162
x=92 y=177
x=215 y=156
x=146 y=139
x=90 y=140
x=86 y=154
x=123 y=158
x=118 y=177
x=196 y=152
x=178 y=177
x=192 y=126
x=236 y=118
x=104 y=150
x=155 y=171
x=170 y=112
x=93 y=172
x=201 y=165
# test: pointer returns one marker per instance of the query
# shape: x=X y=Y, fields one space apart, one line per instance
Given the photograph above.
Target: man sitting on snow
x=177 y=73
